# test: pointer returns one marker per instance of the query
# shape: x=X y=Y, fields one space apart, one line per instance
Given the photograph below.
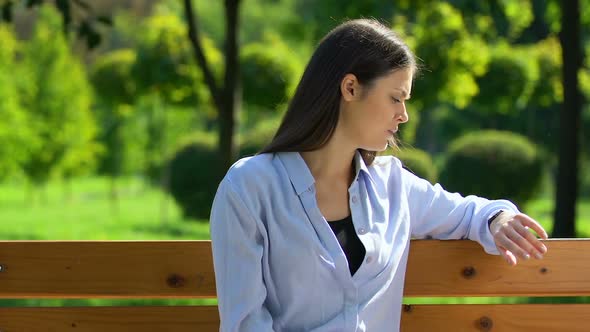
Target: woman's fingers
x=506 y=243
x=514 y=239
x=508 y=256
x=537 y=248
x=523 y=243
x=530 y=222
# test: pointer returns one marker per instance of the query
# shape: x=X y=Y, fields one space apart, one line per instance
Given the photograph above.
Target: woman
x=313 y=233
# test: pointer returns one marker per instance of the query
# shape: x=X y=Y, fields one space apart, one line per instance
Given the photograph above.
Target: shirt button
x=354 y=199
x=362 y=231
x=369 y=259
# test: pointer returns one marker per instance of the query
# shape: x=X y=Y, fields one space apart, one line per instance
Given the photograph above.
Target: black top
x=349 y=241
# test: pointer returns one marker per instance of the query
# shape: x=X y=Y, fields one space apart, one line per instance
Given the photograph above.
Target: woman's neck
x=331 y=162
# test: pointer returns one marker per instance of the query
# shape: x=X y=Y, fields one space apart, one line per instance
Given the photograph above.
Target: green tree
x=166 y=76
x=441 y=39
x=58 y=99
x=15 y=135
x=509 y=81
x=114 y=85
x=270 y=72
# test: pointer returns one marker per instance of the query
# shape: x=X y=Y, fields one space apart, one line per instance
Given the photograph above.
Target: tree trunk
x=567 y=172
x=227 y=99
x=230 y=108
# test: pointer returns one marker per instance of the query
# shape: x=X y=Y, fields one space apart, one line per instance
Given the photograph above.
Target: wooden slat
x=184 y=269
x=111 y=319
x=106 y=269
x=462 y=268
x=442 y=318
x=505 y=318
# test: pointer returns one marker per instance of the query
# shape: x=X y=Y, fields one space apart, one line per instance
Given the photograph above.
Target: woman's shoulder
x=252 y=170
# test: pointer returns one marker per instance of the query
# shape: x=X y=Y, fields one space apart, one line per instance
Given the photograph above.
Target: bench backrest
x=184 y=269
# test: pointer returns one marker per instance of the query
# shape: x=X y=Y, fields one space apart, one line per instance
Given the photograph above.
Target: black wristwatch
x=494 y=217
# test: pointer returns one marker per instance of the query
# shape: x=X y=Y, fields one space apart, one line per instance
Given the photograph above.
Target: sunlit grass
x=87 y=213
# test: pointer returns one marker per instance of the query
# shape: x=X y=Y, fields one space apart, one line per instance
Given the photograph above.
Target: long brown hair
x=363 y=47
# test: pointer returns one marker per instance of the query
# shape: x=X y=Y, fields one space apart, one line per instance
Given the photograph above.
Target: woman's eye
x=395 y=100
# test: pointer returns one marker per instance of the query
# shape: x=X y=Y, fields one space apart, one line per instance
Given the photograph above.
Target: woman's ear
x=350 y=87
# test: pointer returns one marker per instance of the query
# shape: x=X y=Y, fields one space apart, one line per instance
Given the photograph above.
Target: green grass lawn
x=145 y=213
x=140 y=213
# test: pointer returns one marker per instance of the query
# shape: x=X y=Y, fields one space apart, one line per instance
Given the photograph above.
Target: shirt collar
x=359 y=165
x=301 y=176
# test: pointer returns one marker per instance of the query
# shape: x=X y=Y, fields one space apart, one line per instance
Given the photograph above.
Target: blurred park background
x=119 y=118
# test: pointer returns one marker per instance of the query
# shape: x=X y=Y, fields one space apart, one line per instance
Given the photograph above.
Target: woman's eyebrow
x=405 y=94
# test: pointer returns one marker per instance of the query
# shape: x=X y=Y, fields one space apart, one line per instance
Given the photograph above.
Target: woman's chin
x=378 y=148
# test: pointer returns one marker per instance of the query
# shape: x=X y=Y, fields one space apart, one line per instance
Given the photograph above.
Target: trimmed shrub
x=269 y=72
x=194 y=177
x=418 y=162
x=494 y=165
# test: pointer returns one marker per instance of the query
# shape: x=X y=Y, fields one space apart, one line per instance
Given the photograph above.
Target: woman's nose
x=403 y=116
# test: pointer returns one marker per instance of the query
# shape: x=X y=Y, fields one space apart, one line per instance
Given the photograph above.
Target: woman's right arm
x=237 y=258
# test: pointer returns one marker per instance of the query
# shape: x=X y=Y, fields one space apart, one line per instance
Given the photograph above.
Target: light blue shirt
x=279 y=267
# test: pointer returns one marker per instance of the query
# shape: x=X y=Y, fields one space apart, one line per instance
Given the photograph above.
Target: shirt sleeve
x=439 y=214
x=237 y=244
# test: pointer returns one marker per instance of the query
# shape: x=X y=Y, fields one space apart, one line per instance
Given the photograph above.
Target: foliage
x=111 y=77
x=162 y=129
x=496 y=19
x=258 y=16
x=418 y=162
x=493 y=164
x=509 y=80
x=14 y=132
x=269 y=72
x=166 y=75
x=165 y=65
x=548 y=90
x=194 y=177
x=58 y=97
x=319 y=17
x=439 y=37
x=112 y=81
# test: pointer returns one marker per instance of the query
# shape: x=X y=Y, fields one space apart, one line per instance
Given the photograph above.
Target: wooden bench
x=183 y=269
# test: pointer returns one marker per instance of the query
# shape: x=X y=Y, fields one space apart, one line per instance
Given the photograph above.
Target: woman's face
x=370 y=117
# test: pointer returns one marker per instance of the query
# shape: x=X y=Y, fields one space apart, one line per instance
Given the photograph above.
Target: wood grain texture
x=441 y=318
x=504 y=318
x=111 y=319
x=462 y=268
x=184 y=269
x=106 y=269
